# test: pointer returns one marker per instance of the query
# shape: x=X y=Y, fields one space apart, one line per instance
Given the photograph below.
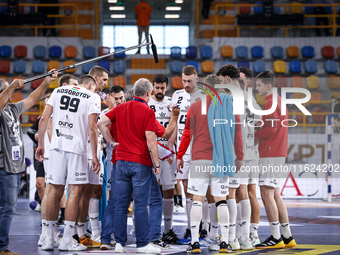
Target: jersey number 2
x=67 y=103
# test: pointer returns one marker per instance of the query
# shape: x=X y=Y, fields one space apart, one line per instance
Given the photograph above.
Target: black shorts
x=39 y=167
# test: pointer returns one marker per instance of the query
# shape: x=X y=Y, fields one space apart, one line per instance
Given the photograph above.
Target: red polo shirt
x=197 y=125
x=273 y=137
x=132 y=120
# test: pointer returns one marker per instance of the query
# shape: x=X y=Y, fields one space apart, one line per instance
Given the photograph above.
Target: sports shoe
x=159 y=243
x=61 y=221
x=133 y=232
x=289 y=242
x=76 y=238
x=71 y=246
x=8 y=252
x=186 y=238
x=179 y=209
x=105 y=246
x=57 y=239
x=235 y=245
x=88 y=242
x=271 y=243
x=206 y=242
x=48 y=245
x=149 y=249
x=203 y=234
x=225 y=248
x=41 y=240
x=119 y=248
x=254 y=239
x=113 y=242
x=194 y=248
x=170 y=237
x=245 y=244
x=215 y=244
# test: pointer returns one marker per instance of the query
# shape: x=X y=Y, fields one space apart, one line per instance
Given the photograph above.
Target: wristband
x=157 y=166
x=112 y=143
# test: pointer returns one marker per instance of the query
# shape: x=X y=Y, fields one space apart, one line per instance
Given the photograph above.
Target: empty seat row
x=312 y=82
x=207 y=66
x=295 y=66
x=277 y=51
x=40 y=51
x=206 y=51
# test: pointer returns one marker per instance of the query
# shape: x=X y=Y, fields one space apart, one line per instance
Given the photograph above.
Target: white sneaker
x=71 y=246
x=245 y=244
x=132 y=232
x=119 y=248
x=104 y=247
x=206 y=242
x=179 y=209
x=235 y=245
x=254 y=239
x=149 y=249
x=215 y=244
x=96 y=239
x=113 y=242
x=57 y=239
x=48 y=245
x=42 y=239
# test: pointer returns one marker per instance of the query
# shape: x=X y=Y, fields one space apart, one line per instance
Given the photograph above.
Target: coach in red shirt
x=135 y=122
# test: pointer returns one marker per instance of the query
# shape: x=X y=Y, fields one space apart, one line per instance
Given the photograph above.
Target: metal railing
x=36 y=27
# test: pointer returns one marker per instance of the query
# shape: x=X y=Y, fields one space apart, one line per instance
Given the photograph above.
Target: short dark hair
x=189 y=70
x=66 y=78
x=116 y=89
x=98 y=70
x=160 y=78
x=229 y=70
x=266 y=77
x=212 y=79
x=87 y=79
x=247 y=72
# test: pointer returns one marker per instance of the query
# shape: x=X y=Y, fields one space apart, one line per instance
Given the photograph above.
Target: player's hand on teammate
x=180 y=164
x=238 y=164
x=39 y=154
x=170 y=159
x=52 y=77
x=95 y=165
x=175 y=110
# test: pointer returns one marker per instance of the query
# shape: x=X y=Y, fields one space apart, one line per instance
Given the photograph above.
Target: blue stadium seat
x=310 y=21
x=175 y=52
x=105 y=64
x=331 y=66
x=241 y=52
x=86 y=68
x=55 y=52
x=120 y=55
x=191 y=52
x=228 y=62
x=309 y=9
x=276 y=10
x=193 y=63
x=206 y=51
x=258 y=9
x=277 y=52
x=328 y=9
x=259 y=66
x=295 y=66
x=38 y=66
x=89 y=52
x=311 y=66
x=3 y=9
x=5 y=51
x=39 y=51
x=243 y=64
x=307 y=51
x=257 y=52
x=177 y=66
x=119 y=66
x=19 y=66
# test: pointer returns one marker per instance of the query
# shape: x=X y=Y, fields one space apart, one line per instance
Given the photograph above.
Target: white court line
x=331 y=217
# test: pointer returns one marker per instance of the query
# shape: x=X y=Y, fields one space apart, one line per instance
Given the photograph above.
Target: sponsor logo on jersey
x=193 y=188
x=65 y=123
x=80 y=174
x=162 y=115
x=59 y=134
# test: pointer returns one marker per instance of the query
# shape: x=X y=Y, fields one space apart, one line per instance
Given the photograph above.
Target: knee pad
x=167 y=187
x=221 y=202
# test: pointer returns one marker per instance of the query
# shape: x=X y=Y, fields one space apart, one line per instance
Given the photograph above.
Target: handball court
x=315 y=226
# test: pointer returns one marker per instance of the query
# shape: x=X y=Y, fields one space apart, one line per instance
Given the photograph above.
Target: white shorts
x=185 y=169
x=253 y=174
x=168 y=172
x=47 y=177
x=247 y=175
x=270 y=174
x=200 y=180
x=96 y=179
x=67 y=166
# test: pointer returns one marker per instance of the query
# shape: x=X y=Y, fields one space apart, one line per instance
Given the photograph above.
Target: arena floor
x=315 y=226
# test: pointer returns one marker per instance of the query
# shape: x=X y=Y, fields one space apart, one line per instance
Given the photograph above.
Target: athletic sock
x=254 y=228
x=168 y=207
x=68 y=230
x=179 y=200
x=196 y=216
x=175 y=199
x=275 y=229
x=55 y=230
x=245 y=216
x=205 y=216
x=43 y=227
x=189 y=204
x=81 y=229
x=232 y=218
x=223 y=217
x=213 y=222
x=62 y=213
x=50 y=229
x=238 y=227
x=286 y=230
x=94 y=217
